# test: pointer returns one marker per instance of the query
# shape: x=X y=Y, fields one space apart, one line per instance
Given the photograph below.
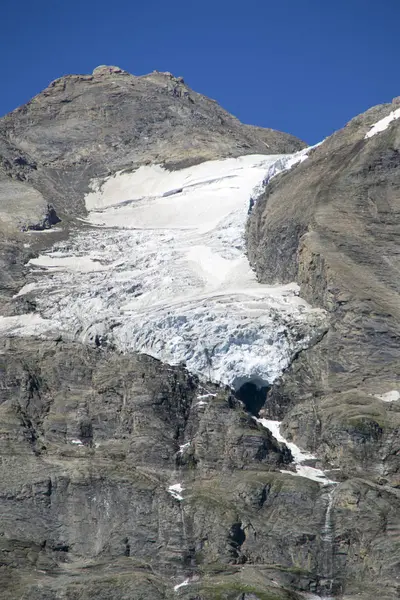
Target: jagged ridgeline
x=199 y=357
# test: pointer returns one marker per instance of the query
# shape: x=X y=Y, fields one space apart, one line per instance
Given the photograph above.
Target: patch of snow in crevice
x=299 y=456
x=76 y=442
x=184 y=447
x=392 y=396
x=383 y=124
x=176 y=491
x=180 y=585
x=29 y=287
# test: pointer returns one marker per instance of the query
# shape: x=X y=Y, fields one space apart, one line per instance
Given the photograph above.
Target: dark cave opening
x=252 y=396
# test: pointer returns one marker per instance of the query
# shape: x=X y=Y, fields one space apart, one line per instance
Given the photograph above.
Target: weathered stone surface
x=90 y=442
x=332 y=224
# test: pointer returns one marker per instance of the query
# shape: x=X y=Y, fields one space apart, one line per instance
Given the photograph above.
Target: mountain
x=199 y=353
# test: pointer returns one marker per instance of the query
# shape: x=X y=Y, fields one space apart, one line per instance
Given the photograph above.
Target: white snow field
x=383 y=124
x=159 y=267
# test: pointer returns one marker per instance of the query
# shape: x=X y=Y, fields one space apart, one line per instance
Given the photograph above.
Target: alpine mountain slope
x=199 y=350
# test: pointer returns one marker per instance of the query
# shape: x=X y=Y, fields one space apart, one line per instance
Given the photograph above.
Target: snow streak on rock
x=180 y=585
x=176 y=491
x=160 y=268
x=383 y=123
x=300 y=458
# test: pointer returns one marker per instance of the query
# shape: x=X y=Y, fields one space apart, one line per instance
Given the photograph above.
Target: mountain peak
x=107 y=70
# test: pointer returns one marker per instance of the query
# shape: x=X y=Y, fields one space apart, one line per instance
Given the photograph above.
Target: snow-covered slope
x=160 y=268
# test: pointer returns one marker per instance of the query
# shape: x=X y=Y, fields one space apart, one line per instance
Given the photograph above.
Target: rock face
x=123 y=478
x=332 y=224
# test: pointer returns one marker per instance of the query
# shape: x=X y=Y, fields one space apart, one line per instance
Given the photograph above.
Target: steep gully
x=159 y=267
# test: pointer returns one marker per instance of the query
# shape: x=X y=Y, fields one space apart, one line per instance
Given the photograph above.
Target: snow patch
x=392 y=396
x=79 y=264
x=383 y=123
x=76 y=442
x=299 y=456
x=176 y=491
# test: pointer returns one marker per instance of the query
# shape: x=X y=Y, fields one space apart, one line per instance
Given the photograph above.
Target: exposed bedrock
x=91 y=443
x=332 y=224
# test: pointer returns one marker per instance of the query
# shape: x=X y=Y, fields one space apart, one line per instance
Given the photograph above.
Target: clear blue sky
x=302 y=66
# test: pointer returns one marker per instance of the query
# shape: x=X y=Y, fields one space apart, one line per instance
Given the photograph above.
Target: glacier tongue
x=160 y=268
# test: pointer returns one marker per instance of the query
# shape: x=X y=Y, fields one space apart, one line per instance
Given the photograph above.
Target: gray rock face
x=91 y=443
x=332 y=223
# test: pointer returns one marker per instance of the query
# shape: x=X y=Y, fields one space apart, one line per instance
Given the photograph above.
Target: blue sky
x=305 y=67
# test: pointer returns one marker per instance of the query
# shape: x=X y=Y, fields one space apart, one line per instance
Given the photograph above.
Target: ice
x=383 y=123
x=299 y=456
x=287 y=162
x=176 y=491
x=391 y=396
x=80 y=264
x=40 y=231
x=160 y=268
x=30 y=324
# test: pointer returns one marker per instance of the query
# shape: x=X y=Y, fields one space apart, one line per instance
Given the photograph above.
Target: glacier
x=159 y=267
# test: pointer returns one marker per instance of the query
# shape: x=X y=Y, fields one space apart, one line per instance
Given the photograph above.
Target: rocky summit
x=199 y=350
